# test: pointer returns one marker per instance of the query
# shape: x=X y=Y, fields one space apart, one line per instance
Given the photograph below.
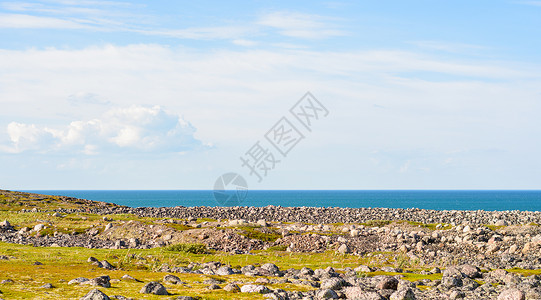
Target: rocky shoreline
x=325 y=215
x=456 y=254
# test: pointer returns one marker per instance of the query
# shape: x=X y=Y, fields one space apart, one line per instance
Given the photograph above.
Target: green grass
x=188 y=248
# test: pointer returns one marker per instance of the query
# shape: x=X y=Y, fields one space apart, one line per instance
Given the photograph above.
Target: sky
x=174 y=94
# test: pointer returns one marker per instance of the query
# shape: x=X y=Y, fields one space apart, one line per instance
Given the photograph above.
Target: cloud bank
x=128 y=130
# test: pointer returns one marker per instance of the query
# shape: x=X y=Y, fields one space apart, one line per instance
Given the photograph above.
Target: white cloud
x=132 y=129
x=300 y=25
x=28 y=21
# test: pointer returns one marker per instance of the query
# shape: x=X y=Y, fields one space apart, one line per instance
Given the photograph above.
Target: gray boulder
x=95 y=294
x=155 y=288
x=512 y=294
x=252 y=288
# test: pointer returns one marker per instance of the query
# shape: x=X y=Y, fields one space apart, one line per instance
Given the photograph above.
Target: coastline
x=262 y=252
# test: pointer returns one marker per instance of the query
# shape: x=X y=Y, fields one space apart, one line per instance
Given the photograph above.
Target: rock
x=39 y=227
x=95 y=294
x=155 y=288
x=224 y=270
x=252 y=288
x=262 y=223
x=78 y=280
x=344 y=249
x=470 y=271
x=172 y=279
x=358 y=293
x=456 y=294
x=106 y=265
x=213 y=287
x=127 y=277
x=47 y=286
x=272 y=268
x=363 y=268
x=57 y=214
x=403 y=294
x=387 y=283
x=103 y=281
x=37 y=263
x=326 y=294
x=501 y=223
x=354 y=233
x=231 y=287
x=237 y=222
x=334 y=283
x=5 y=224
x=512 y=294
x=92 y=259
x=108 y=226
x=133 y=242
x=183 y=298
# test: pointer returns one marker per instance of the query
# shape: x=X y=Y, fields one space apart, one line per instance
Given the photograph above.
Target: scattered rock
x=155 y=288
x=95 y=294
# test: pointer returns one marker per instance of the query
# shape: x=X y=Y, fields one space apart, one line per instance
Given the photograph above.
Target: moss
x=262 y=234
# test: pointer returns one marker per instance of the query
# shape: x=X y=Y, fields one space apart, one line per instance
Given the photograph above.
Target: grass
x=258 y=233
x=188 y=248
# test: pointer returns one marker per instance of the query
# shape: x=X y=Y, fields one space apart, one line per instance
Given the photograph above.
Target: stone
x=231 y=287
x=501 y=223
x=470 y=271
x=326 y=294
x=5 y=224
x=512 y=294
x=57 y=215
x=127 y=277
x=455 y=294
x=39 y=227
x=403 y=294
x=106 y=265
x=95 y=294
x=213 y=287
x=224 y=270
x=78 y=280
x=387 y=283
x=334 y=283
x=358 y=293
x=363 y=268
x=252 y=288
x=272 y=268
x=344 y=249
x=262 y=223
x=155 y=288
x=103 y=281
x=172 y=279
x=92 y=259
x=47 y=286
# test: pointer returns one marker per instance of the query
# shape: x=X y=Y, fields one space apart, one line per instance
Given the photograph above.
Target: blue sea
x=426 y=199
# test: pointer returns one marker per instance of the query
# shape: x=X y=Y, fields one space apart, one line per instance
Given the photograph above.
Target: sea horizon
x=436 y=199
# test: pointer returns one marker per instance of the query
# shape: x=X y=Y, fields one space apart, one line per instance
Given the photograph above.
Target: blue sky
x=170 y=95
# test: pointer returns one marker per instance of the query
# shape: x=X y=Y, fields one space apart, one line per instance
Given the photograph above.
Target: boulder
x=95 y=294
x=512 y=294
x=252 y=288
x=155 y=288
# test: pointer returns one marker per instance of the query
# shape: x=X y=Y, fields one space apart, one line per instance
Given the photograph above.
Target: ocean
x=426 y=199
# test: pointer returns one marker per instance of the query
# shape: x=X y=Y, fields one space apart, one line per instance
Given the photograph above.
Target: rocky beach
x=264 y=252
